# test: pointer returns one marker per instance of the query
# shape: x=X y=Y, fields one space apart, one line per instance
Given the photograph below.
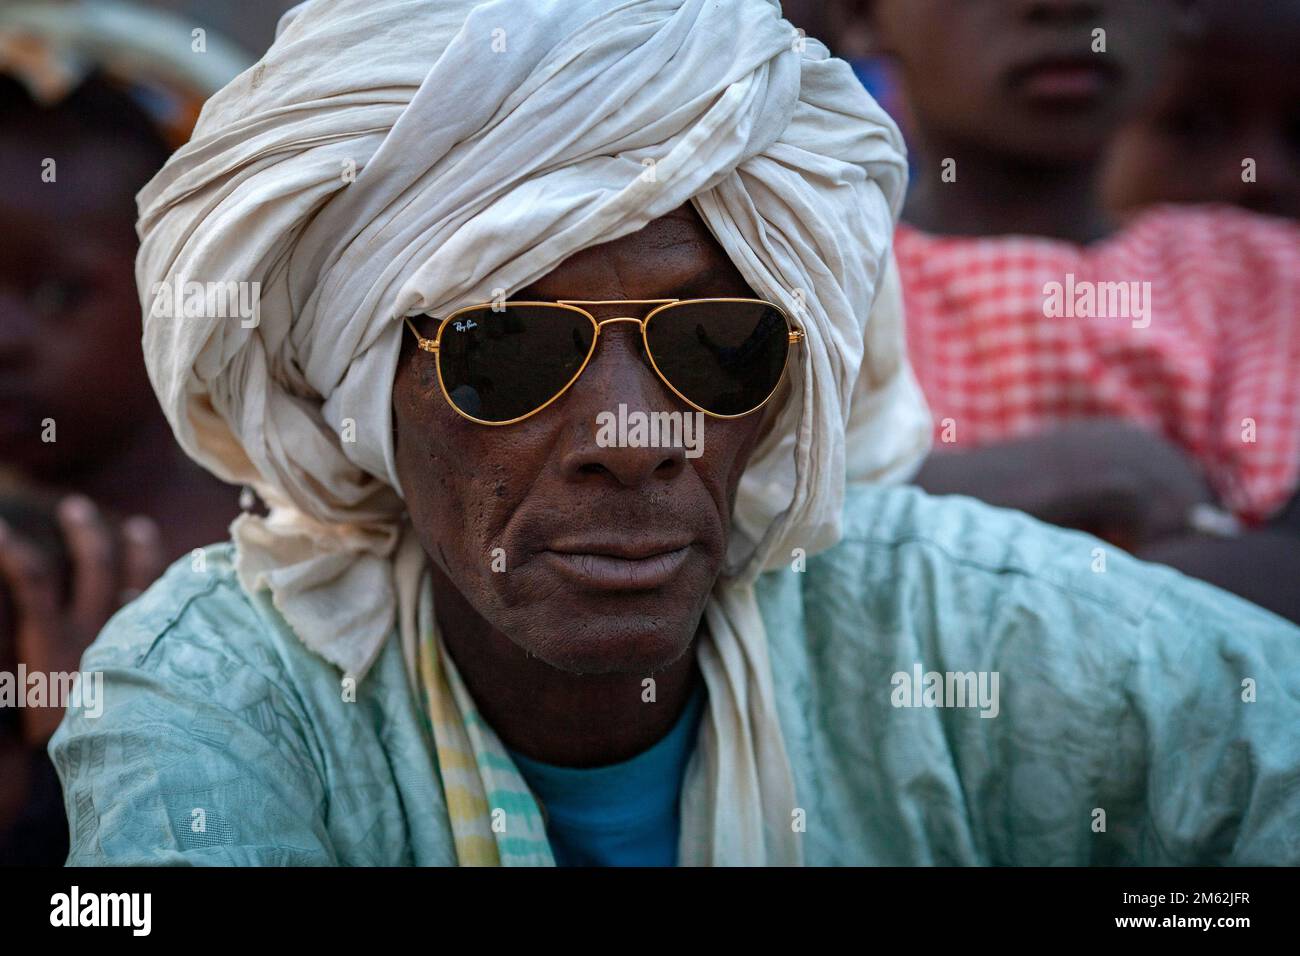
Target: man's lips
x=618 y=565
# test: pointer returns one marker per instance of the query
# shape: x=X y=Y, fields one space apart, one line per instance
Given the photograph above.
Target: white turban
x=393 y=157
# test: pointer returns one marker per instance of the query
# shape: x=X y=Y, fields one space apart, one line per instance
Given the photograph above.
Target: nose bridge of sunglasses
x=617 y=310
x=630 y=337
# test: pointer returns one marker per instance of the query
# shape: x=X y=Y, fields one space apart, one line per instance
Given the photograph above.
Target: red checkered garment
x=1222 y=350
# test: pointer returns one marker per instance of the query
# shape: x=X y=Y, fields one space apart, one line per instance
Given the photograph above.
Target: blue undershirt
x=624 y=814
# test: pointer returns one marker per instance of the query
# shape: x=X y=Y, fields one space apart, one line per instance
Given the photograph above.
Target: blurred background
x=1162 y=152
x=250 y=25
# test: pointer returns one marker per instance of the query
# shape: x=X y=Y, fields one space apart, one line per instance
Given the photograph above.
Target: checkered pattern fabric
x=1011 y=335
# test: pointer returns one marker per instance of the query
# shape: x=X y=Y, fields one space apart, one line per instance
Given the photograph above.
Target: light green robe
x=1142 y=717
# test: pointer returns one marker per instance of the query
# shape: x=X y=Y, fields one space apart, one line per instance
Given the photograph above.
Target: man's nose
x=598 y=429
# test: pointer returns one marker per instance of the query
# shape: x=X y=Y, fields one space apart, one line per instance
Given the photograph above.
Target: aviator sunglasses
x=499 y=363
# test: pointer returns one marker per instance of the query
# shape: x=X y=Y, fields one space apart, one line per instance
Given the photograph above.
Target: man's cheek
x=722 y=466
x=480 y=519
x=527 y=592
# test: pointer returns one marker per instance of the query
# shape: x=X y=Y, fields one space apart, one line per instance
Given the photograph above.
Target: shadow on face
x=606 y=554
x=1024 y=77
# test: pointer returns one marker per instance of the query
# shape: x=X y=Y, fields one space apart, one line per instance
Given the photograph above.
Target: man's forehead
x=669 y=256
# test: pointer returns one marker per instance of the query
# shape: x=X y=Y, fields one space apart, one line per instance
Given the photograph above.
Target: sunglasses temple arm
x=428 y=345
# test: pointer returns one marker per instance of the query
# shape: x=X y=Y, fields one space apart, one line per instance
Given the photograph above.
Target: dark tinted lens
x=501 y=365
x=726 y=357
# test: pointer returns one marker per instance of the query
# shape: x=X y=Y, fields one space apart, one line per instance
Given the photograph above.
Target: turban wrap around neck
x=392 y=157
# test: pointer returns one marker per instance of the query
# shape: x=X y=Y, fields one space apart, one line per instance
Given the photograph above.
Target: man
x=476 y=629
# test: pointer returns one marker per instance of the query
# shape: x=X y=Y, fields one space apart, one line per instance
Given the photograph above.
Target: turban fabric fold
x=393 y=157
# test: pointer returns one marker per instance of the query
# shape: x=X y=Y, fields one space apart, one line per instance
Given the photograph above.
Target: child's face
x=1234 y=97
x=1025 y=78
x=72 y=377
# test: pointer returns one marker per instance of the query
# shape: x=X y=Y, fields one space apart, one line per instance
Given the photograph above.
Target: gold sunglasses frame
x=432 y=345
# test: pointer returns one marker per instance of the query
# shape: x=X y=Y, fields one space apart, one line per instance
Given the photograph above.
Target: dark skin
x=557 y=666
x=839 y=25
x=114 y=494
x=1007 y=89
x=1012 y=90
x=125 y=498
x=70 y=342
x=1234 y=93
x=1101 y=476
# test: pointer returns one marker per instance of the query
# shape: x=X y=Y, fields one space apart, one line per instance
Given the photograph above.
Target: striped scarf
x=495 y=820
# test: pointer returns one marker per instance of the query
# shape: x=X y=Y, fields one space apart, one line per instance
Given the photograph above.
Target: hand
x=108 y=566
x=1107 y=477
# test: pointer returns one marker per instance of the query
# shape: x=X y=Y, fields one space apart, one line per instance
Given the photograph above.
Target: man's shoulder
x=962 y=570
x=196 y=707
x=958 y=541
x=197 y=606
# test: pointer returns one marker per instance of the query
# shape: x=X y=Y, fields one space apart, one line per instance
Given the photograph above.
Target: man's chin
x=632 y=644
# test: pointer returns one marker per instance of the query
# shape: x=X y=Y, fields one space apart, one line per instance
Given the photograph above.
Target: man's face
x=609 y=552
x=1023 y=77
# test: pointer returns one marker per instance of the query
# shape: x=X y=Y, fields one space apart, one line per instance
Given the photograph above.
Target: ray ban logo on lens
x=638 y=429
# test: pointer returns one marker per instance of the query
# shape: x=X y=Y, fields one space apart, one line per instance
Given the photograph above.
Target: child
x=1045 y=336
x=89 y=110
x=1225 y=125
